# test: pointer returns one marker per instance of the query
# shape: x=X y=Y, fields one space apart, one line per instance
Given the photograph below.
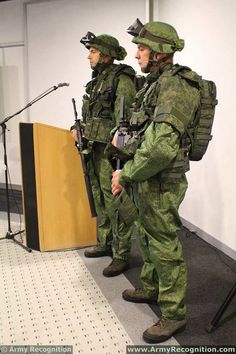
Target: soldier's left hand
x=74 y=135
x=116 y=188
x=115 y=139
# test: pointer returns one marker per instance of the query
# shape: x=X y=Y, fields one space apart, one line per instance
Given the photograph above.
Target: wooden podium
x=55 y=202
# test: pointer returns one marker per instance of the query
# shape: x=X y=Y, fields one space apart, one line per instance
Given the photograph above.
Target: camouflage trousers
x=110 y=233
x=164 y=273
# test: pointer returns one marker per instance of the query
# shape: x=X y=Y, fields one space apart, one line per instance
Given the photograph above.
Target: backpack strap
x=188 y=74
x=122 y=69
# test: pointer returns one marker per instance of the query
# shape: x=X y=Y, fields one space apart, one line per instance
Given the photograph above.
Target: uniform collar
x=100 y=68
x=165 y=67
x=152 y=77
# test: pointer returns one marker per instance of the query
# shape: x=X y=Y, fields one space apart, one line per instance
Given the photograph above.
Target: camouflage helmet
x=106 y=44
x=158 y=36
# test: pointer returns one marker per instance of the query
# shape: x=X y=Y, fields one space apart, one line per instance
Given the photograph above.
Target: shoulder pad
x=186 y=73
x=125 y=69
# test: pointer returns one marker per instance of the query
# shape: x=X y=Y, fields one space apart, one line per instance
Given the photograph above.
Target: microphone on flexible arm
x=45 y=93
x=61 y=84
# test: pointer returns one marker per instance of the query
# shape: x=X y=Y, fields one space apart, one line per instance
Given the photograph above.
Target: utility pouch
x=179 y=166
x=128 y=212
x=138 y=119
x=98 y=129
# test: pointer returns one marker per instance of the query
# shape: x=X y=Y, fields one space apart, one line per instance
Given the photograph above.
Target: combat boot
x=116 y=267
x=98 y=251
x=138 y=295
x=163 y=330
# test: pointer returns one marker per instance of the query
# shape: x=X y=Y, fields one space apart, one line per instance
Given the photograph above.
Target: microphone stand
x=11 y=235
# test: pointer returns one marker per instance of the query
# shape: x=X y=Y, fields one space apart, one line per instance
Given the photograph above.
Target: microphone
x=61 y=84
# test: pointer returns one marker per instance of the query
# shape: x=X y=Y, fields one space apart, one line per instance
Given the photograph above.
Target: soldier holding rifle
x=100 y=114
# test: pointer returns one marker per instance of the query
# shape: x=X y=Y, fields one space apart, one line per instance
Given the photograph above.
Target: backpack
x=199 y=131
x=139 y=81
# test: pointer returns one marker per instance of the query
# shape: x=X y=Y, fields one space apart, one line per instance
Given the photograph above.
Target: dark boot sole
x=158 y=339
x=98 y=254
x=139 y=301
x=114 y=273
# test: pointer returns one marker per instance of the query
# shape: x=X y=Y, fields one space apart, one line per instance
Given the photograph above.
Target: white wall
x=208 y=28
x=51 y=31
x=12 y=87
x=55 y=53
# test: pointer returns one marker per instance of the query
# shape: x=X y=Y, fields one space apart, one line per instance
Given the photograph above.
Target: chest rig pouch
x=98 y=129
x=98 y=103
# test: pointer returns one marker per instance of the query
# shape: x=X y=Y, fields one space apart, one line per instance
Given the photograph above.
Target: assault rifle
x=123 y=130
x=125 y=208
x=80 y=147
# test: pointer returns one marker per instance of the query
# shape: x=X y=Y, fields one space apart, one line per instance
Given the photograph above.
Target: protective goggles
x=138 y=29
x=135 y=28
x=88 y=38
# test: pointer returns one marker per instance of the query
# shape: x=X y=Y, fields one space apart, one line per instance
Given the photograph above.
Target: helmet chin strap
x=100 y=64
x=147 y=68
x=156 y=62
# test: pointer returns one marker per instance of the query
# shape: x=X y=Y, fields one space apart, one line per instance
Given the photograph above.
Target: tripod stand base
x=11 y=236
x=214 y=323
x=210 y=328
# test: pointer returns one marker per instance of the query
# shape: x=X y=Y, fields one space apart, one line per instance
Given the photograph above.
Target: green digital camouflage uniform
x=100 y=111
x=163 y=110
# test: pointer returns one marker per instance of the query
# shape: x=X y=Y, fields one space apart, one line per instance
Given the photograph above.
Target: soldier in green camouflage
x=162 y=111
x=100 y=113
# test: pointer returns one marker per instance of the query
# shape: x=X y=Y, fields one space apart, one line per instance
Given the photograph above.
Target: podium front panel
x=55 y=202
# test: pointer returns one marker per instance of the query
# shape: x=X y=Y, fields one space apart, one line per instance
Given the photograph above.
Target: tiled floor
x=51 y=298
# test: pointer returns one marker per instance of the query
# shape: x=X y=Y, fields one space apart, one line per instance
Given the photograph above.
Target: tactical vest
x=99 y=100
x=143 y=114
x=180 y=165
x=197 y=134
